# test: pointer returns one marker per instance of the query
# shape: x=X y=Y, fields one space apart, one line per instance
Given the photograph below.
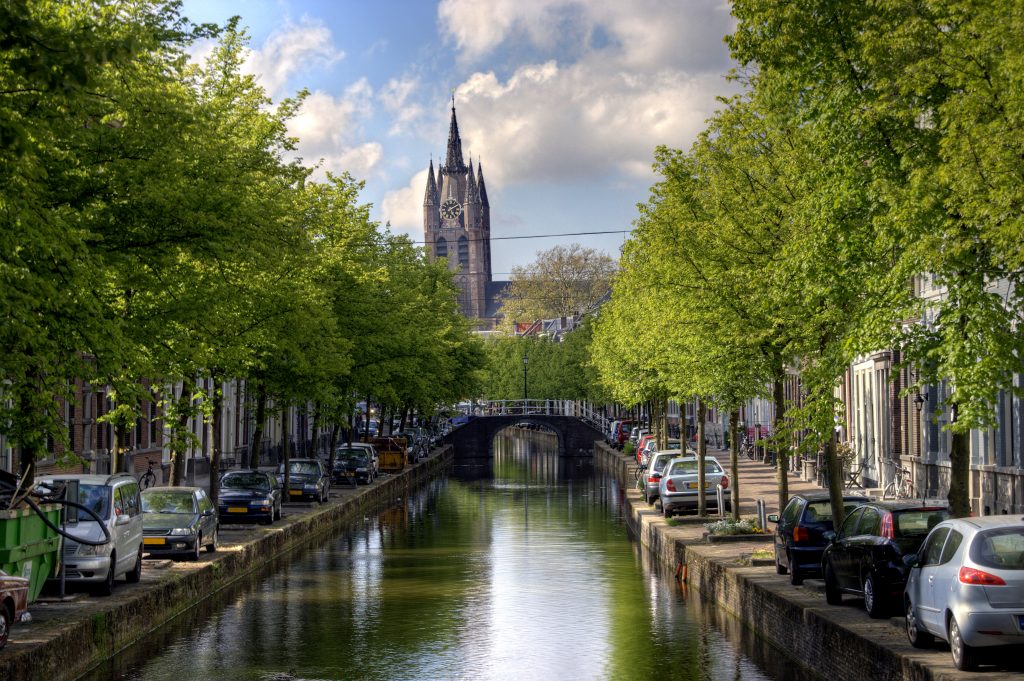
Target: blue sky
x=563 y=100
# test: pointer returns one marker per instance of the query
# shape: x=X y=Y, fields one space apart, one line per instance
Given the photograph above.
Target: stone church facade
x=457 y=226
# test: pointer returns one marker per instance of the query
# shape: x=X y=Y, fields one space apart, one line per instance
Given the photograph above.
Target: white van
x=115 y=499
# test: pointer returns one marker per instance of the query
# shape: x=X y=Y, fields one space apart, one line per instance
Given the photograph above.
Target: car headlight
x=261 y=502
x=179 y=531
x=101 y=550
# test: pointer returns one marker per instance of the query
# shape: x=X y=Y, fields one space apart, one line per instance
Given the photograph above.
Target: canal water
x=519 y=570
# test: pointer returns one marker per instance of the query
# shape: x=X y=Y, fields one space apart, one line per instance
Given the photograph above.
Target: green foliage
x=728 y=526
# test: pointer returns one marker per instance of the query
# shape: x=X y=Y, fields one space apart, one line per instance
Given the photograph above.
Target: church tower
x=457 y=225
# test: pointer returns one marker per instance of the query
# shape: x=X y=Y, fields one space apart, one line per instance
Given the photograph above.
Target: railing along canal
x=580 y=410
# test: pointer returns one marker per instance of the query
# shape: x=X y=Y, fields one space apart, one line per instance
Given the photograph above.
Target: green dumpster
x=28 y=547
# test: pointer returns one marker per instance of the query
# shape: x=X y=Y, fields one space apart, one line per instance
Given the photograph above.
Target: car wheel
x=212 y=546
x=6 y=618
x=964 y=657
x=135 y=574
x=198 y=546
x=780 y=569
x=107 y=587
x=665 y=511
x=918 y=638
x=872 y=603
x=832 y=594
x=795 y=578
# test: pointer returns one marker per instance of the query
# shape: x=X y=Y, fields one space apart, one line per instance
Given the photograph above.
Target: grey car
x=178 y=522
x=678 y=486
x=966 y=587
x=651 y=475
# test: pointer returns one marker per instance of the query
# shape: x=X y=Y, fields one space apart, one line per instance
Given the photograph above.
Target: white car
x=94 y=560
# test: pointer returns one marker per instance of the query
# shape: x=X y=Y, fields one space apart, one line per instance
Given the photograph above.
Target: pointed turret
x=481 y=187
x=453 y=160
x=430 y=196
x=472 y=197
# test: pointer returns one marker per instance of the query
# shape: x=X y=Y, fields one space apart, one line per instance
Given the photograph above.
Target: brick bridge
x=475 y=439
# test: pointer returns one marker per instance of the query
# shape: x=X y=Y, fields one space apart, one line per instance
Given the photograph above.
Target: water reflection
x=524 y=574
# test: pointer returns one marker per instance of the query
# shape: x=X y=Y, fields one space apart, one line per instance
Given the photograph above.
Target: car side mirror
x=910 y=561
x=123 y=519
x=773 y=517
x=829 y=536
x=208 y=512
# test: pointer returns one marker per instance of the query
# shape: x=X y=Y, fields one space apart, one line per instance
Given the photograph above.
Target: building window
x=463 y=252
x=442 y=247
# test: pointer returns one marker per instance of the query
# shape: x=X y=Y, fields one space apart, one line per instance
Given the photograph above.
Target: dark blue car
x=249 y=495
x=800 y=533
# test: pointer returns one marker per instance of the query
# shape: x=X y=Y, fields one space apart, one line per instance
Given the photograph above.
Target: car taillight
x=654 y=479
x=724 y=482
x=670 y=485
x=801 y=534
x=970 y=575
x=886 y=531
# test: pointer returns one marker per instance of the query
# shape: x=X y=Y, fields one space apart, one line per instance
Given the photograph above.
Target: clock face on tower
x=450 y=209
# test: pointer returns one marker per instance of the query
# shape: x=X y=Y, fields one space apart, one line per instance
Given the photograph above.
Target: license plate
x=693 y=485
x=237 y=509
x=154 y=541
x=295 y=492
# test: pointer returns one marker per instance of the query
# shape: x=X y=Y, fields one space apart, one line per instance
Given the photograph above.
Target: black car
x=799 y=533
x=249 y=495
x=865 y=558
x=307 y=479
x=352 y=464
x=178 y=521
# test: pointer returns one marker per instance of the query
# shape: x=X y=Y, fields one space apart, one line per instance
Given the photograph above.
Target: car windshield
x=1001 y=548
x=96 y=498
x=690 y=468
x=168 y=502
x=822 y=510
x=917 y=522
x=659 y=463
x=302 y=468
x=245 y=481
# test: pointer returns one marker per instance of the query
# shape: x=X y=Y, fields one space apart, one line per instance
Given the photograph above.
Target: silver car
x=678 y=486
x=966 y=587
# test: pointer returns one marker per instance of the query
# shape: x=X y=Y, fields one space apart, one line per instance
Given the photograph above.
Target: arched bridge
x=576 y=428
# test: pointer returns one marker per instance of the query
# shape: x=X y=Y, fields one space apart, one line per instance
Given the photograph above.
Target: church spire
x=481 y=188
x=472 y=197
x=430 y=197
x=453 y=161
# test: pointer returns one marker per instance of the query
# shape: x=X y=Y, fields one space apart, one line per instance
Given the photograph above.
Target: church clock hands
x=450 y=209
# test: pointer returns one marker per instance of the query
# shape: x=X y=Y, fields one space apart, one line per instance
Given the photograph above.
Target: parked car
x=966 y=587
x=355 y=463
x=115 y=499
x=13 y=603
x=621 y=434
x=800 y=533
x=308 y=478
x=249 y=494
x=178 y=521
x=651 y=446
x=651 y=477
x=677 y=488
x=865 y=558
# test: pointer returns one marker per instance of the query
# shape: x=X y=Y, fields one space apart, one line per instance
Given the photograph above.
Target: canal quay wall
x=67 y=639
x=822 y=641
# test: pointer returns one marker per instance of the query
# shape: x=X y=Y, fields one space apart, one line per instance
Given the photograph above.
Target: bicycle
x=901 y=486
x=148 y=479
x=747 y=449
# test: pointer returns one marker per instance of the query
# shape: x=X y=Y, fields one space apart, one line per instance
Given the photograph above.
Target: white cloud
x=329 y=130
x=292 y=49
x=619 y=79
x=395 y=98
x=403 y=208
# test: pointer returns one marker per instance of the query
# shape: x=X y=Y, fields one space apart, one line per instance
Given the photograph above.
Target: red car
x=13 y=603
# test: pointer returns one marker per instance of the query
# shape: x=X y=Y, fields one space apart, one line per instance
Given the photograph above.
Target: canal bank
x=66 y=639
x=827 y=642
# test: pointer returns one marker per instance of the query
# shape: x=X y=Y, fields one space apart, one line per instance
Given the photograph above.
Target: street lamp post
x=919 y=401
x=526 y=363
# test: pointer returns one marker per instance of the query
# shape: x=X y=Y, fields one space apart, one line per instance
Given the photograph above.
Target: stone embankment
x=820 y=640
x=67 y=638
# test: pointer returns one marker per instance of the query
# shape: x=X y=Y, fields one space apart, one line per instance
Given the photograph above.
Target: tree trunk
x=315 y=444
x=835 y=482
x=781 y=451
x=702 y=450
x=366 y=421
x=734 y=463
x=405 y=417
x=218 y=427
x=286 y=450
x=184 y=407
x=335 y=429
x=257 y=431
x=959 y=469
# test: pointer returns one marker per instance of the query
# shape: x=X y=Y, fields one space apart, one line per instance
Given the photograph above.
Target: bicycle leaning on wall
x=901 y=486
